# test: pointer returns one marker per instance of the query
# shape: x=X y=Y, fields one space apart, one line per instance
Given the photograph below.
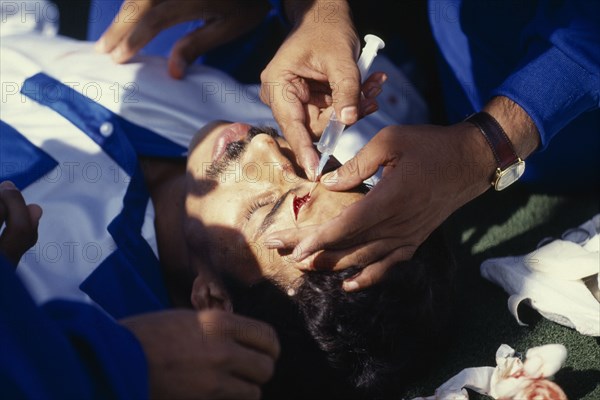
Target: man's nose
x=264 y=153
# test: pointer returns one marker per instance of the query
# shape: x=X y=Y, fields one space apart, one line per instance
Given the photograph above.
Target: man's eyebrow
x=270 y=217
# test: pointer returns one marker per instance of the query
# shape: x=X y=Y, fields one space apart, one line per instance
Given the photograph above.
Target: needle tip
x=322 y=162
x=312 y=188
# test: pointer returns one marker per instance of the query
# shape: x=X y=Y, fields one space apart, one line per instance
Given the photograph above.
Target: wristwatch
x=509 y=166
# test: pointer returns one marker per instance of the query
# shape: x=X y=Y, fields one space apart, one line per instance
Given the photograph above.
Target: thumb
x=344 y=78
x=360 y=167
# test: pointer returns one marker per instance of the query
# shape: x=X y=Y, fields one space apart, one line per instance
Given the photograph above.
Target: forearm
x=517 y=124
x=316 y=11
x=325 y=23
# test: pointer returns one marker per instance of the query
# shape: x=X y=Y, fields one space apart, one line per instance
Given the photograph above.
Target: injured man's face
x=242 y=184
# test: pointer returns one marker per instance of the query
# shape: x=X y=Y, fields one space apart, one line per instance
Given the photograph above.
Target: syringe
x=334 y=128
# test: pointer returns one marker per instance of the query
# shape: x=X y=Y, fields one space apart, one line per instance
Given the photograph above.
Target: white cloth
x=511 y=378
x=84 y=193
x=22 y=16
x=549 y=278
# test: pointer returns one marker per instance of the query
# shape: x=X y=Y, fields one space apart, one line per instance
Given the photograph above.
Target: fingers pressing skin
x=291 y=115
x=300 y=67
x=360 y=167
x=374 y=272
x=361 y=256
x=304 y=108
x=21 y=221
x=349 y=228
x=350 y=224
x=401 y=210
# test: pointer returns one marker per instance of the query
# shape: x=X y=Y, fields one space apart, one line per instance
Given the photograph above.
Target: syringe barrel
x=372 y=45
x=331 y=135
x=335 y=128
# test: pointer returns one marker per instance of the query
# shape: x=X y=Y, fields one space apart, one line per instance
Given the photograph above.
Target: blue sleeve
x=558 y=79
x=64 y=350
x=279 y=9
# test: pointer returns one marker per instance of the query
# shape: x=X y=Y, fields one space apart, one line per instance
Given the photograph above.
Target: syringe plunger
x=372 y=45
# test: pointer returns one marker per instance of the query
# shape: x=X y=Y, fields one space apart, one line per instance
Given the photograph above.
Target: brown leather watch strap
x=501 y=146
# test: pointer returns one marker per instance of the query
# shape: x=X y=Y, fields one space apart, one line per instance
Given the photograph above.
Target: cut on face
x=243 y=183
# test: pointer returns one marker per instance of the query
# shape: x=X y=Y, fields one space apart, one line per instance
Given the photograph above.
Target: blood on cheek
x=299 y=202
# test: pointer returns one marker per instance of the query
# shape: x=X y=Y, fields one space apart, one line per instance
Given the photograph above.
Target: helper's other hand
x=313 y=69
x=205 y=355
x=428 y=173
x=139 y=21
x=21 y=221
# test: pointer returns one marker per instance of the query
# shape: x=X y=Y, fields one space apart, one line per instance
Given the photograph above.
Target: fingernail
x=311 y=173
x=383 y=78
x=274 y=244
x=8 y=185
x=116 y=54
x=349 y=115
x=330 y=178
x=298 y=255
x=305 y=265
x=100 y=45
x=350 y=286
x=311 y=164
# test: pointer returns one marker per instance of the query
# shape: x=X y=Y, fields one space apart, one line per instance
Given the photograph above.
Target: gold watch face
x=510 y=175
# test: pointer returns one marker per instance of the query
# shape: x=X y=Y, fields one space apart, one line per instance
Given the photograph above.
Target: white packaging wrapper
x=549 y=278
x=511 y=378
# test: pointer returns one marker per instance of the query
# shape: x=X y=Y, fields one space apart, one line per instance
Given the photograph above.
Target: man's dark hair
x=365 y=344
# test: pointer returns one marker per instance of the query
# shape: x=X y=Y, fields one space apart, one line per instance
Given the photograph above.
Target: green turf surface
x=500 y=224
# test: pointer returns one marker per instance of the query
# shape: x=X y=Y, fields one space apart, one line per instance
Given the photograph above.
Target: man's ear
x=208 y=294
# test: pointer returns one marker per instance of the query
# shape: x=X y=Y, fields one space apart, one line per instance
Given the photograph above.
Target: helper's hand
x=205 y=355
x=428 y=173
x=313 y=69
x=21 y=221
x=139 y=21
